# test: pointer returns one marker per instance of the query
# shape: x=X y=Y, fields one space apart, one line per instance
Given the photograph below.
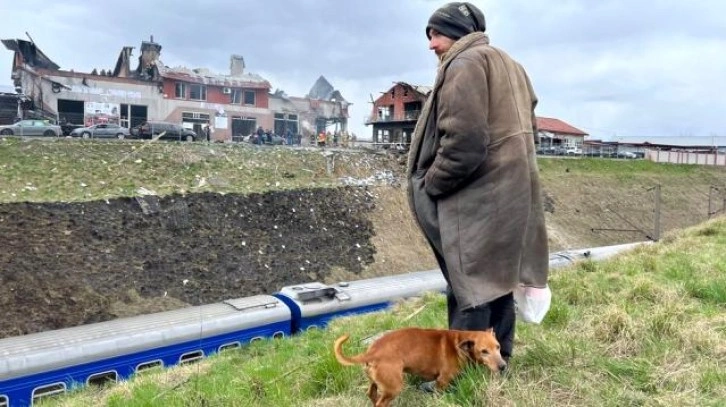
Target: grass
x=83 y=170
x=647 y=328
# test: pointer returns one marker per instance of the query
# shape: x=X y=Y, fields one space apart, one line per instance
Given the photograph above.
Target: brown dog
x=432 y=354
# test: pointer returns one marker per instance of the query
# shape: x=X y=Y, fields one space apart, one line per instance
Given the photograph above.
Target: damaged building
x=233 y=105
x=395 y=113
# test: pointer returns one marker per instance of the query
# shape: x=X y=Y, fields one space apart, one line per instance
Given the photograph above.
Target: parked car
x=573 y=151
x=171 y=131
x=626 y=155
x=31 y=128
x=101 y=131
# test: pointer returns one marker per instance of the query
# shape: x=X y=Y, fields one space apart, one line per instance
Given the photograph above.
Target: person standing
x=474 y=187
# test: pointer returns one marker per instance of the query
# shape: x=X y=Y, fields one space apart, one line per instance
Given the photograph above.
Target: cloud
x=612 y=67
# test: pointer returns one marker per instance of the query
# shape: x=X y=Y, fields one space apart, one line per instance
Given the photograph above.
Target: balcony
x=406 y=116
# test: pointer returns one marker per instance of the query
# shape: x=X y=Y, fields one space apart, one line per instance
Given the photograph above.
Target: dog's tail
x=346 y=360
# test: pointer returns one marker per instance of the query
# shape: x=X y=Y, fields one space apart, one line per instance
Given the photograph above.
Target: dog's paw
x=428 y=387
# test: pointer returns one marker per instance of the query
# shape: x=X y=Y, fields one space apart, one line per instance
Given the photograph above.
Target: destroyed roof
x=205 y=77
x=32 y=55
x=424 y=90
x=323 y=90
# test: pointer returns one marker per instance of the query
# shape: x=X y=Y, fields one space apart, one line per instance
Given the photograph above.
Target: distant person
x=473 y=178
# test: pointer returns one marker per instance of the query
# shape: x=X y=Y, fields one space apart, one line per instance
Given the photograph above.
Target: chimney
x=236 y=65
x=150 y=52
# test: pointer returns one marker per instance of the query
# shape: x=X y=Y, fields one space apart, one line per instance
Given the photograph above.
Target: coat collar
x=457 y=48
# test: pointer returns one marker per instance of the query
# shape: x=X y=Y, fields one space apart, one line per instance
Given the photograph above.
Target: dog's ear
x=466 y=345
x=490 y=330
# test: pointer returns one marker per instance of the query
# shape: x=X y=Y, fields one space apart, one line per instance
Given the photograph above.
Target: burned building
x=232 y=104
x=395 y=113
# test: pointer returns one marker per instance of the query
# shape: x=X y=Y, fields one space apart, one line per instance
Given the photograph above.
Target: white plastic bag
x=532 y=303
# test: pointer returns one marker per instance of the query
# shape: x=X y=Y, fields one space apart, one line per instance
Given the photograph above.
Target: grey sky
x=615 y=68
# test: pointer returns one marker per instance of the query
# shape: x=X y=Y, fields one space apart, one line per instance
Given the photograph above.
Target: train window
x=255 y=339
x=191 y=357
x=278 y=335
x=99 y=379
x=48 y=391
x=149 y=365
x=229 y=346
x=4 y=401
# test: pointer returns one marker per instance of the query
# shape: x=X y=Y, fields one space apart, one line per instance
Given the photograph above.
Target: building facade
x=232 y=105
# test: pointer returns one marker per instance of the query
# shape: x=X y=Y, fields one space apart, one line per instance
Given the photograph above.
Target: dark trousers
x=498 y=314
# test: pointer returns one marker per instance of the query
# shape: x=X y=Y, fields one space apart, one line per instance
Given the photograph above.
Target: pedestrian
x=474 y=187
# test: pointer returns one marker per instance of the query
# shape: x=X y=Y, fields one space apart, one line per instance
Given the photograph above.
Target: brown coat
x=473 y=178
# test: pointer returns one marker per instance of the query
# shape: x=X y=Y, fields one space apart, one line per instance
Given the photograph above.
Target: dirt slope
x=66 y=264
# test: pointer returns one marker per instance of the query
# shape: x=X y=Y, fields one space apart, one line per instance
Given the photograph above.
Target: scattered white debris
x=379 y=178
x=185 y=281
x=143 y=191
x=244 y=243
x=138 y=161
x=83 y=184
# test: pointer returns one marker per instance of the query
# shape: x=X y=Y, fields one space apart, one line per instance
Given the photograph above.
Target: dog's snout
x=503 y=366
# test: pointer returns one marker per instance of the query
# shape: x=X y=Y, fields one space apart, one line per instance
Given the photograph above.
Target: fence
x=687 y=157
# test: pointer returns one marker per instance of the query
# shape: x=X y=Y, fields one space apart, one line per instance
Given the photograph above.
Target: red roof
x=557 y=126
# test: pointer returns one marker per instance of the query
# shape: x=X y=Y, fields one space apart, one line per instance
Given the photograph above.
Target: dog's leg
x=389 y=382
x=373 y=393
x=443 y=380
x=385 y=400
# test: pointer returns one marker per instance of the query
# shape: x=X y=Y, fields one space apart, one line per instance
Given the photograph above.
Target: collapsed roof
x=323 y=90
x=32 y=55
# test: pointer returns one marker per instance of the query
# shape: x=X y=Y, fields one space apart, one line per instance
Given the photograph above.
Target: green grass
x=82 y=170
x=647 y=328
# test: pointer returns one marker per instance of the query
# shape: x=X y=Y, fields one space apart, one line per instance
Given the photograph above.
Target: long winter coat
x=473 y=178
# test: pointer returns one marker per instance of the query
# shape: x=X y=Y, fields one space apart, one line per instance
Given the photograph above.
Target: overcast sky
x=614 y=68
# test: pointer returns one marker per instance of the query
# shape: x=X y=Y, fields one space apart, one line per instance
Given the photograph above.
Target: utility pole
x=656 y=231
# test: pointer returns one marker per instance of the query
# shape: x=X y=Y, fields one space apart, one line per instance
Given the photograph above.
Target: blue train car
x=48 y=363
x=313 y=305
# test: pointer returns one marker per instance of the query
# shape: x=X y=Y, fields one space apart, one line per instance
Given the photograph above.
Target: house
x=555 y=133
x=395 y=113
x=232 y=104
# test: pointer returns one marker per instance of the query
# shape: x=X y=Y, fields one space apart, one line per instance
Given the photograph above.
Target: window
x=100 y=379
x=48 y=390
x=229 y=346
x=250 y=97
x=149 y=365
x=191 y=357
x=197 y=92
x=236 y=97
x=180 y=90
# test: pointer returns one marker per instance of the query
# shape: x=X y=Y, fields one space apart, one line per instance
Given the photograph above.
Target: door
x=100 y=130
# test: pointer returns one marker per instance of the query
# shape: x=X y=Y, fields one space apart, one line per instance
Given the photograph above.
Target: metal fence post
x=656 y=231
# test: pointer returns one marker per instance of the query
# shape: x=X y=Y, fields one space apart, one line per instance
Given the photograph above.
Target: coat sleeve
x=463 y=109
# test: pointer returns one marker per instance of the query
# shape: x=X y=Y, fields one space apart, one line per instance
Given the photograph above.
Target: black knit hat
x=456 y=20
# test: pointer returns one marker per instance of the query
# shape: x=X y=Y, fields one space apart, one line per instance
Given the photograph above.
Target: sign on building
x=101 y=112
